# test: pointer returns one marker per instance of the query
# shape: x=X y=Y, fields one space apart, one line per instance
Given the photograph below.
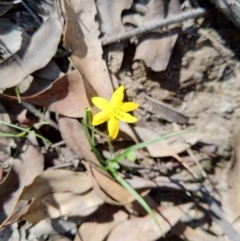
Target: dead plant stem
x=153 y=25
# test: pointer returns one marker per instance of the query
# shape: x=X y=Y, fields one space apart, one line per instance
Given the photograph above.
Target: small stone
x=135 y=65
x=128 y=73
x=227 y=108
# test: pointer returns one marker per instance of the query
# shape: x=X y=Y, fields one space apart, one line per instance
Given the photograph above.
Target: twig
x=31 y=13
x=37 y=113
x=153 y=25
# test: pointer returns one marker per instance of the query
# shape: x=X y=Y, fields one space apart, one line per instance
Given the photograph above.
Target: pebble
x=135 y=65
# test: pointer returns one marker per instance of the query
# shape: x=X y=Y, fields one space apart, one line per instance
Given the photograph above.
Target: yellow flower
x=113 y=111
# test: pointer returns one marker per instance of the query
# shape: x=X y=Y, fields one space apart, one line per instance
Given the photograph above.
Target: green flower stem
x=108 y=165
x=140 y=200
x=16 y=89
x=88 y=122
x=145 y=144
x=94 y=149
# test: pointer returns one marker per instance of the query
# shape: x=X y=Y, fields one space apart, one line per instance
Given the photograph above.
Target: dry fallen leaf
x=65 y=96
x=105 y=219
x=110 y=13
x=145 y=229
x=26 y=167
x=81 y=36
x=55 y=205
x=58 y=192
x=155 y=48
x=57 y=181
x=111 y=24
x=186 y=232
x=163 y=148
x=34 y=54
x=108 y=189
x=75 y=137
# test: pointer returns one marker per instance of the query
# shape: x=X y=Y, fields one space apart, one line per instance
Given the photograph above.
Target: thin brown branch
x=153 y=25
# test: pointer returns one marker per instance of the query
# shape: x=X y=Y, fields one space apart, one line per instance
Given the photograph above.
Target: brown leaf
x=74 y=135
x=186 y=232
x=108 y=189
x=106 y=218
x=169 y=147
x=155 y=48
x=33 y=55
x=164 y=111
x=46 y=192
x=163 y=148
x=81 y=36
x=66 y=96
x=110 y=13
x=145 y=229
x=28 y=165
x=55 y=205
x=57 y=181
x=111 y=23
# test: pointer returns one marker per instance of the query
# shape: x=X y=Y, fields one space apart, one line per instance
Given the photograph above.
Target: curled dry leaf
x=66 y=96
x=108 y=189
x=81 y=36
x=34 y=54
x=74 y=135
x=26 y=167
x=145 y=229
x=155 y=48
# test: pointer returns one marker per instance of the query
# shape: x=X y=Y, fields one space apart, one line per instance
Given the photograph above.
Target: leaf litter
x=52 y=184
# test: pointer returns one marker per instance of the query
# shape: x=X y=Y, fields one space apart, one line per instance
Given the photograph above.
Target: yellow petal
x=117 y=97
x=113 y=127
x=101 y=103
x=101 y=117
x=129 y=106
x=123 y=116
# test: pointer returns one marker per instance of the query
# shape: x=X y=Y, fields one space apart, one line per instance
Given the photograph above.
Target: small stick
x=31 y=13
x=153 y=25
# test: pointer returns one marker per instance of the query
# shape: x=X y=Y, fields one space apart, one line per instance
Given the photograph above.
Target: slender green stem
x=88 y=122
x=16 y=89
x=94 y=149
x=140 y=200
x=145 y=144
